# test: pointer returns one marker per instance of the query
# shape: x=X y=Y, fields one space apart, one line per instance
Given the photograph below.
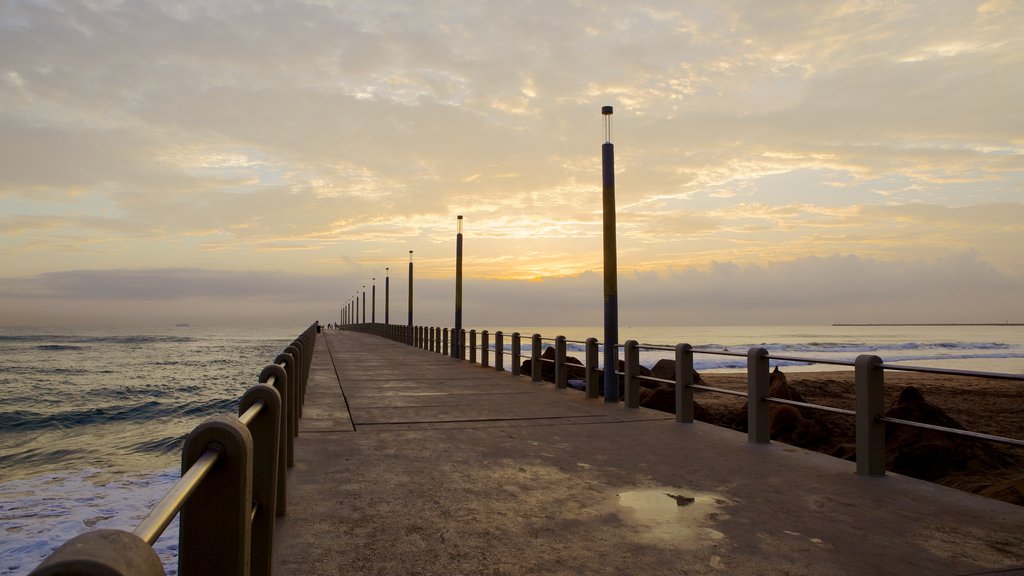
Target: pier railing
x=869 y=377
x=231 y=490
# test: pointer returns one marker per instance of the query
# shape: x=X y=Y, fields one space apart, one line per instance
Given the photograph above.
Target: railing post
x=561 y=374
x=758 y=430
x=485 y=344
x=298 y=382
x=444 y=342
x=517 y=354
x=437 y=340
x=535 y=369
x=264 y=430
x=291 y=401
x=632 y=360
x=472 y=346
x=284 y=445
x=870 y=403
x=102 y=553
x=499 y=351
x=684 y=381
x=590 y=359
x=462 y=344
x=214 y=521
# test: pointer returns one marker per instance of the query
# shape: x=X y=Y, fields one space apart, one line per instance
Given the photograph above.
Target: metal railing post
x=591 y=359
x=517 y=354
x=472 y=346
x=283 y=444
x=758 y=430
x=561 y=373
x=684 y=381
x=870 y=403
x=444 y=342
x=499 y=351
x=535 y=369
x=102 y=553
x=214 y=522
x=485 y=344
x=631 y=352
x=265 y=431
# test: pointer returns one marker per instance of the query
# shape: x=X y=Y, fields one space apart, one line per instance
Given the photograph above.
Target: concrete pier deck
x=409 y=462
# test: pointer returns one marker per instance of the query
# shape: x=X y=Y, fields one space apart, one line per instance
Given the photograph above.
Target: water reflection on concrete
x=671 y=514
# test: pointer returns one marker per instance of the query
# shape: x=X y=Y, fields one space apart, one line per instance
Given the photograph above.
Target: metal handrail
x=719 y=390
x=252 y=412
x=957 y=431
x=821 y=407
x=952 y=372
x=161 y=515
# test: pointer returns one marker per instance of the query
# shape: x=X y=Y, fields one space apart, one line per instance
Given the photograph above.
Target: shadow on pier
x=410 y=462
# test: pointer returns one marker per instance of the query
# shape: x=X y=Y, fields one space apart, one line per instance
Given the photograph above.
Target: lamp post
x=611 y=288
x=373 y=305
x=456 y=339
x=387 y=297
x=364 y=303
x=411 y=341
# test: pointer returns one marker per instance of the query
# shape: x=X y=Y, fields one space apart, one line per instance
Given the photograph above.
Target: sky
x=259 y=162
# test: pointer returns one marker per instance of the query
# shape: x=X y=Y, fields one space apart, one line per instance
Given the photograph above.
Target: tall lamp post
x=387 y=297
x=457 y=350
x=411 y=338
x=611 y=284
x=373 y=305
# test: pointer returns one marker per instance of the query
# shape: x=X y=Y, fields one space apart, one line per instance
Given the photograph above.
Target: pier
x=357 y=453
x=411 y=462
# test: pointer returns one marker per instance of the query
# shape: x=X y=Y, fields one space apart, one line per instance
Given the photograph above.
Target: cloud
x=811 y=290
x=318 y=137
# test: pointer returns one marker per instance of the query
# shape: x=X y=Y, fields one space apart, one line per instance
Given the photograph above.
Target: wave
x=83 y=339
x=59 y=347
x=166 y=445
x=28 y=420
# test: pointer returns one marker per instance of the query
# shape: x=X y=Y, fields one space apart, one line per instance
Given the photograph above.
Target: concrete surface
x=409 y=462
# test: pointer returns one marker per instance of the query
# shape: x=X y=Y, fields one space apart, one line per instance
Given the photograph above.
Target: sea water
x=92 y=420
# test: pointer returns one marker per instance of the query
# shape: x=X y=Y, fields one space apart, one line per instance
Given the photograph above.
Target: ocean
x=92 y=419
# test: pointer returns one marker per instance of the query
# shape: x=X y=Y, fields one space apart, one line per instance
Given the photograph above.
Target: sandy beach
x=981 y=405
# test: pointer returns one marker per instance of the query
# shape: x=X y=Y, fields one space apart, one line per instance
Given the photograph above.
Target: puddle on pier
x=672 y=514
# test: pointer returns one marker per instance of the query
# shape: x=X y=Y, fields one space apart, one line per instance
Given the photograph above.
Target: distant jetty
x=941 y=324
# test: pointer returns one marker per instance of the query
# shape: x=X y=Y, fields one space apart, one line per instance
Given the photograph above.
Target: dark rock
x=931 y=454
x=663 y=398
x=575 y=368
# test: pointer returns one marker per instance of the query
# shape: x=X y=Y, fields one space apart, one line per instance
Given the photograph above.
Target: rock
x=931 y=454
x=663 y=398
x=788 y=423
x=666 y=370
x=576 y=370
